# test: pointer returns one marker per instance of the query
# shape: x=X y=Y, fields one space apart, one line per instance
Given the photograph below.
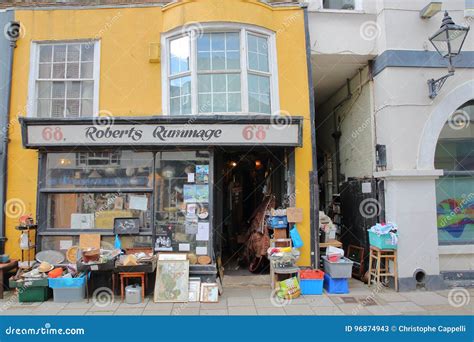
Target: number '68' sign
x=52 y=133
x=254 y=132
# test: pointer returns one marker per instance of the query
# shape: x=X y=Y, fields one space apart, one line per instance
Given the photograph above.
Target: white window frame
x=34 y=68
x=243 y=29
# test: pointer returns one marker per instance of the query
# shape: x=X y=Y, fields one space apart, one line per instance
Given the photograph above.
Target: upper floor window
x=64 y=80
x=230 y=71
x=342 y=4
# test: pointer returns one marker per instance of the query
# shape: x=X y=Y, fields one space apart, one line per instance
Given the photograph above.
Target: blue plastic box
x=311 y=286
x=336 y=285
x=66 y=290
x=383 y=241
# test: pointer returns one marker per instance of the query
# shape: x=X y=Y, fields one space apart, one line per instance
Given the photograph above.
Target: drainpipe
x=12 y=33
x=313 y=175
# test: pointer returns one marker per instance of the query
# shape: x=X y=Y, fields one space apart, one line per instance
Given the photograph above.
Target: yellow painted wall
x=130 y=85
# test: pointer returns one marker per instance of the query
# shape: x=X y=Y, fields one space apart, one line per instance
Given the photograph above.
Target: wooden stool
x=379 y=265
x=128 y=275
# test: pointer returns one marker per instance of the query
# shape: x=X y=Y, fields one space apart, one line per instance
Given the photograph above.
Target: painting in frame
x=172 y=281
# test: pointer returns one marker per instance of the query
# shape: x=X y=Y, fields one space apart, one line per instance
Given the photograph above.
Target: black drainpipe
x=12 y=33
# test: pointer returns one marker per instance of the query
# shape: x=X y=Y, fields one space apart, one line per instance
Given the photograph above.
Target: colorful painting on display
x=455 y=215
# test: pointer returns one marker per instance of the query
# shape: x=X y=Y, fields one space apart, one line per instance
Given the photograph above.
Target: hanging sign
x=118 y=133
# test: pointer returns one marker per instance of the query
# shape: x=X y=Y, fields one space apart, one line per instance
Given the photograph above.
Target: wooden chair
x=379 y=265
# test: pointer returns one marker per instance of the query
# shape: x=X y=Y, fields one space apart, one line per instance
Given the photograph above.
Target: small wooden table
x=13 y=264
x=332 y=243
x=124 y=276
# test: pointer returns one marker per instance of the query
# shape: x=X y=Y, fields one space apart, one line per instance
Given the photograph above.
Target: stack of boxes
x=337 y=272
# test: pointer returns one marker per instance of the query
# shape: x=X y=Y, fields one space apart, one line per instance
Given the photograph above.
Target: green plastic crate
x=33 y=294
x=31 y=291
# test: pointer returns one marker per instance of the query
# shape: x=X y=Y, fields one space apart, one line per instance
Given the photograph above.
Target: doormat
x=349 y=300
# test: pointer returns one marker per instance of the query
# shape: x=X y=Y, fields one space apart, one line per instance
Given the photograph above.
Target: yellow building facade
x=211 y=86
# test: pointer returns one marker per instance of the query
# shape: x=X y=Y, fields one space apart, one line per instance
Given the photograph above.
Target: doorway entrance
x=248 y=183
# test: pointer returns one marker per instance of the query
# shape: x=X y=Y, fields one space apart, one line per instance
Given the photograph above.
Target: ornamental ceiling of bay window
x=220 y=69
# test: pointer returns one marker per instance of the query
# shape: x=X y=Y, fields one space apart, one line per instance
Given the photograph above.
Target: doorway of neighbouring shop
x=248 y=183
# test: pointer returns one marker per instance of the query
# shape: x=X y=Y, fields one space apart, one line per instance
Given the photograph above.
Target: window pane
x=72 y=108
x=204 y=103
x=87 y=89
x=44 y=70
x=73 y=52
x=218 y=42
x=43 y=108
x=57 y=110
x=59 y=70
x=253 y=83
x=87 y=70
x=72 y=70
x=259 y=94
x=93 y=210
x=175 y=106
x=59 y=54
x=86 y=108
x=179 y=198
x=204 y=61
x=204 y=42
x=219 y=83
x=258 y=53
x=232 y=41
x=234 y=102
x=44 y=90
x=218 y=60
x=58 y=90
x=455 y=207
x=87 y=52
x=233 y=82
x=204 y=83
x=219 y=102
x=186 y=104
x=180 y=99
x=73 y=90
x=179 y=55
x=121 y=169
x=46 y=53
x=233 y=60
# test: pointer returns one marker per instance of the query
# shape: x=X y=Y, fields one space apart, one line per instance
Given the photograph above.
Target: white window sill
x=456 y=249
x=327 y=10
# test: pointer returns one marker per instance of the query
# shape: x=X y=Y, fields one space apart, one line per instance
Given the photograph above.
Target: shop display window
x=455 y=189
x=96 y=210
x=182 y=213
x=120 y=169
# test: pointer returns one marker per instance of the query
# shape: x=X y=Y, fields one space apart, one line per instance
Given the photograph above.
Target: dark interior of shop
x=245 y=182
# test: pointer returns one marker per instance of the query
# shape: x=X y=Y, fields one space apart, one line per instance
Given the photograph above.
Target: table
x=13 y=264
x=332 y=243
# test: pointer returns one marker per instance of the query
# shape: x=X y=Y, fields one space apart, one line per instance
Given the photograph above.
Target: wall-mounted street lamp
x=448 y=41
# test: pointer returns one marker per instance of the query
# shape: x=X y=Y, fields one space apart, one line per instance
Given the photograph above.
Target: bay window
x=220 y=72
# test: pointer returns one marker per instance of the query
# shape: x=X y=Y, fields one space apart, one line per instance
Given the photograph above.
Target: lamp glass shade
x=449 y=39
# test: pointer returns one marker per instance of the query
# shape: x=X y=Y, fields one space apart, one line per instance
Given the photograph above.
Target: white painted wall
x=407 y=121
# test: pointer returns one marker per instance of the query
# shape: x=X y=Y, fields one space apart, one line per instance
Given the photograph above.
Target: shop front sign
x=56 y=133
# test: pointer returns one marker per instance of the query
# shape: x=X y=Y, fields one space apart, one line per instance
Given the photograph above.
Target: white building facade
x=375 y=122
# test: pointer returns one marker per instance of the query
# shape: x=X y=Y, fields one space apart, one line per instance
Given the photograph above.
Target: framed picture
x=126 y=225
x=209 y=293
x=163 y=242
x=194 y=289
x=172 y=281
x=172 y=256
